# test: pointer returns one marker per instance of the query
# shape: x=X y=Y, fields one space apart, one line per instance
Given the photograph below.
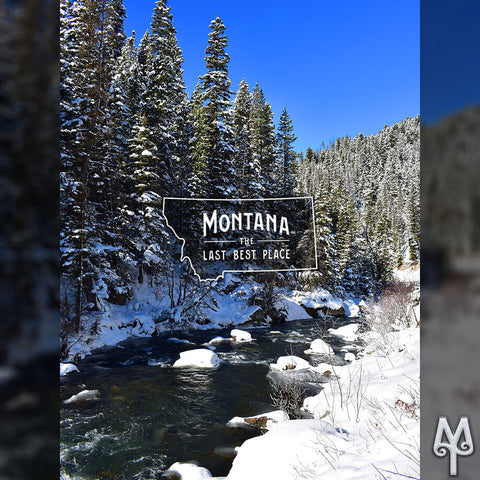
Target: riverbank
x=365 y=421
x=362 y=422
x=146 y=315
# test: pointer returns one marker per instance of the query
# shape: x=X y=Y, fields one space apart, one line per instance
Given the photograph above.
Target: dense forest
x=131 y=135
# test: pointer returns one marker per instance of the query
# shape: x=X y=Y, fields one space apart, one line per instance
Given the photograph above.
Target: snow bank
x=297 y=303
x=66 y=368
x=264 y=420
x=347 y=333
x=201 y=358
x=190 y=471
x=319 y=347
x=232 y=309
x=290 y=362
x=293 y=309
x=365 y=418
x=83 y=396
x=240 y=336
x=282 y=453
x=407 y=274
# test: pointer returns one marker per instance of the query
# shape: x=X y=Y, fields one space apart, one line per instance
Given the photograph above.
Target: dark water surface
x=150 y=415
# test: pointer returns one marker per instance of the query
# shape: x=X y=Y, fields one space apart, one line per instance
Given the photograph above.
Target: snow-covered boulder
x=240 y=336
x=326 y=304
x=349 y=357
x=66 y=368
x=264 y=420
x=319 y=347
x=200 y=357
x=347 y=333
x=218 y=340
x=83 y=396
x=190 y=471
x=324 y=368
x=290 y=362
x=293 y=310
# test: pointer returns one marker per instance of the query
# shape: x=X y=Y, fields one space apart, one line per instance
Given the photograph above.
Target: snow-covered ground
x=139 y=317
x=365 y=421
x=365 y=425
x=407 y=274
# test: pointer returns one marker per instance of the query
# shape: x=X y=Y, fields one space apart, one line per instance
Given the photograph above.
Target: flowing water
x=150 y=415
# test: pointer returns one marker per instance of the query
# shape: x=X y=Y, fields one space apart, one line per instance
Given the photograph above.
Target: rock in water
x=200 y=357
x=189 y=471
x=319 y=347
x=83 y=396
x=240 y=336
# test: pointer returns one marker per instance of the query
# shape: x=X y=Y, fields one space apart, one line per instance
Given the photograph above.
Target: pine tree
x=128 y=76
x=247 y=166
x=92 y=38
x=163 y=96
x=214 y=172
x=414 y=227
x=286 y=155
x=143 y=229
x=264 y=142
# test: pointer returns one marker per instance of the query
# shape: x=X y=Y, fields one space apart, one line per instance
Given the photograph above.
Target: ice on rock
x=319 y=347
x=240 y=335
x=290 y=362
x=201 y=358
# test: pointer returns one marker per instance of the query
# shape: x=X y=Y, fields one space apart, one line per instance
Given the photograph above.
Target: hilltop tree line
x=367 y=206
x=131 y=135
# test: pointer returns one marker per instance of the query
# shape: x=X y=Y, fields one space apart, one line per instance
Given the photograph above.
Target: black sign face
x=243 y=235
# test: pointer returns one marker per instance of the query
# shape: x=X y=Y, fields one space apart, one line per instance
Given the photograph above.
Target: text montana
x=244 y=221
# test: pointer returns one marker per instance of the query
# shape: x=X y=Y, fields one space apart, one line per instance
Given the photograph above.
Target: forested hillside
x=131 y=135
x=367 y=205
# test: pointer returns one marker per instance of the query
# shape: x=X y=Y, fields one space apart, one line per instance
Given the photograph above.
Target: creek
x=150 y=415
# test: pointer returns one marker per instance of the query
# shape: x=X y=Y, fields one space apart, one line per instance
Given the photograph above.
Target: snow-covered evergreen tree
x=286 y=155
x=213 y=169
x=248 y=168
x=366 y=191
x=92 y=38
x=163 y=96
x=264 y=142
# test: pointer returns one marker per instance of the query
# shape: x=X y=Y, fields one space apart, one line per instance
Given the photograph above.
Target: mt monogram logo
x=447 y=441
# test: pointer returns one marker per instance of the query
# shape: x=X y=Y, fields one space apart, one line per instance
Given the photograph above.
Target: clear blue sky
x=339 y=68
x=450 y=60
